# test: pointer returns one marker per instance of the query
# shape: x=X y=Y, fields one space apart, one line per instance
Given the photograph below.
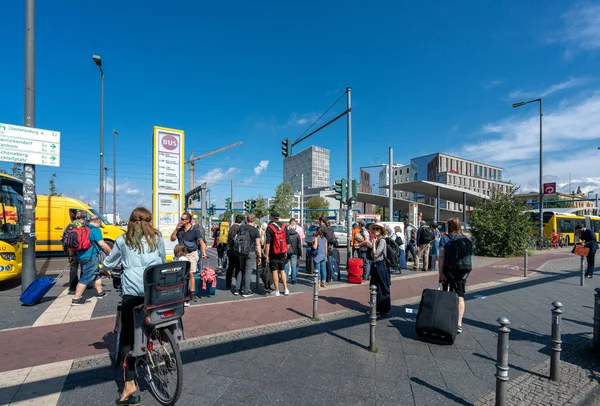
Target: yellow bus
x=564 y=222
x=11 y=226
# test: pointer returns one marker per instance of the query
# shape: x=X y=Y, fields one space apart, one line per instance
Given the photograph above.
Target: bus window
x=566 y=225
x=596 y=226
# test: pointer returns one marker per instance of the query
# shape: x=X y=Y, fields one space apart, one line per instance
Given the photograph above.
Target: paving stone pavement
x=306 y=363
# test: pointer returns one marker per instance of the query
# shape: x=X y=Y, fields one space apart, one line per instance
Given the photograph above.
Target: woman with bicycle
x=140 y=247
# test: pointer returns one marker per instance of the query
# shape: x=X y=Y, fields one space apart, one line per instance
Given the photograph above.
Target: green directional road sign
x=29 y=145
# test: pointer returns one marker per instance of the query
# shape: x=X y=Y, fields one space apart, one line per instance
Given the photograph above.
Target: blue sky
x=439 y=76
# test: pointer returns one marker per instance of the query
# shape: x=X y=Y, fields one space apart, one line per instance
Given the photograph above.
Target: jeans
x=294 y=262
x=89 y=267
x=321 y=267
x=410 y=248
x=402 y=259
x=243 y=276
x=366 y=265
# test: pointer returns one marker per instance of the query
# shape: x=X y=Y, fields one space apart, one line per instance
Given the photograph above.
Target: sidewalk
x=327 y=362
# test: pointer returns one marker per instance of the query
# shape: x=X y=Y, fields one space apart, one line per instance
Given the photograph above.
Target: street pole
x=103 y=204
x=541 y=175
x=349 y=203
x=302 y=200
x=29 y=273
x=115 y=176
x=391 y=184
x=232 y=216
x=98 y=62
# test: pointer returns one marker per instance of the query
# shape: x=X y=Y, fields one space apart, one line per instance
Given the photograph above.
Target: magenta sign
x=169 y=142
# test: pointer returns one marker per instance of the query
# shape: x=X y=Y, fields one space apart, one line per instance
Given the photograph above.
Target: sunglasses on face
x=183 y=219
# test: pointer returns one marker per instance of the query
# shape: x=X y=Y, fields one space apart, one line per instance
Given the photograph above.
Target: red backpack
x=78 y=239
x=279 y=242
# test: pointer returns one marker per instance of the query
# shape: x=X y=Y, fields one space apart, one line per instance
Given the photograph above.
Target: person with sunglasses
x=191 y=237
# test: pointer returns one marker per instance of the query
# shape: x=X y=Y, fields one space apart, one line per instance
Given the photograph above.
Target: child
x=179 y=255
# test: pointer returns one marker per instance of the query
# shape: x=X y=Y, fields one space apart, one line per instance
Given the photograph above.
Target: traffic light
x=253 y=206
x=247 y=204
x=340 y=189
x=286 y=148
x=352 y=200
x=228 y=204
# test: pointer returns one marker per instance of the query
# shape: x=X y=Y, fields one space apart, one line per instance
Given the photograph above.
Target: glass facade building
x=313 y=162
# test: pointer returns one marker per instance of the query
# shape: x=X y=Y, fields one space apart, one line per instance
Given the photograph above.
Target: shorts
x=458 y=287
x=89 y=269
x=193 y=258
x=277 y=262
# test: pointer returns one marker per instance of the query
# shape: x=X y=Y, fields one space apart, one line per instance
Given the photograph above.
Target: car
x=310 y=235
x=339 y=231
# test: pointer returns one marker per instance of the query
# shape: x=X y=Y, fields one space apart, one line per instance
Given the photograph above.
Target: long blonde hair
x=140 y=225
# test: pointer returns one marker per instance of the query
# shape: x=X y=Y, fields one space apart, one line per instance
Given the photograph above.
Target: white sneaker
x=286 y=292
x=187 y=304
x=275 y=293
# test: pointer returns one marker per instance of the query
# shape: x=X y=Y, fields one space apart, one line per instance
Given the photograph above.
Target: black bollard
x=316 y=297
x=525 y=264
x=556 y=341
x=502 y=361
x=373 y=318
x=581 y=274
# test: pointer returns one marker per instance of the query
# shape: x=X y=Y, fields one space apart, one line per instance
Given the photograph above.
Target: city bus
x=368 y=218
x=564 y=222
x=11 y=226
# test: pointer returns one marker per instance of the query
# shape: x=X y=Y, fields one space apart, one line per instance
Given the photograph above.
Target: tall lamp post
x=98 y=62
x=541 y=200
x=115 y=133
x=103 y=204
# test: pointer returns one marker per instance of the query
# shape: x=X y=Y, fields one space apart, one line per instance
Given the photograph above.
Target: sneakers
x=236 y=292
x=187 y=304
x=286 y=292
x=275 y=293
x=101 y=295
x=193 y=297
x=247 y=294
x=459 y=329
x=293 y=282
x=79 y=302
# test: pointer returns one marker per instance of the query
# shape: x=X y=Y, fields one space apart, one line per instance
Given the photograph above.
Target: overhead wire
x=320 y=117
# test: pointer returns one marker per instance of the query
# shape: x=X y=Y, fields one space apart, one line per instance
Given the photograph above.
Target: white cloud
x=517 y=139
x=454 y=128
x=215 y=175
x=581 y=28
x=297 y=119
x=567 y=84
x=491 y=84
x=260 y=168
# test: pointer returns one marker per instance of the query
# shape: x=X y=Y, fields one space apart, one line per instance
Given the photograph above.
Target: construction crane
x=193 y=159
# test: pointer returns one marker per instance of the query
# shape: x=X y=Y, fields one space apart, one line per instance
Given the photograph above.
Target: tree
x=499 y=226
x=317 y=203
x=17 y=171
x=212 y=210
x=52 y=187
x=382 y=212
x=261 y=207
x=283 y=200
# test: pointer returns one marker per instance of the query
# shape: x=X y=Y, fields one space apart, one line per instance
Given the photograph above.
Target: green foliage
x=227 y=215
x=212 y=210
x=558 y=205
x=382 y=212
x=261 y=209
x=317 y=202
x=283 y=200
x=499 y=227
x=17 y=171
x=52 y=187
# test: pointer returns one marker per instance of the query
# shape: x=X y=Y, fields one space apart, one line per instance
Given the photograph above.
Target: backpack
x=279 y=242
x=78 y=238
x=223 y=232
x=427 y=235
x=457 y=258
x=392 y=253
x=243 y=244
x=65 y=237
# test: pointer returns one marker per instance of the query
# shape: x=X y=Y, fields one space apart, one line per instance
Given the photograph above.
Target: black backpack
x=427 y=235
x=243 y=244
x=392 y=253
x=457 y=258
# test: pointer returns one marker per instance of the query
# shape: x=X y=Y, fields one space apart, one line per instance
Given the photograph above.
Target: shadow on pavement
x=456 y=399
x=511 y=366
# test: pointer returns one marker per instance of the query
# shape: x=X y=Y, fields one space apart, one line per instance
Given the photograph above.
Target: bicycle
x=158 y=329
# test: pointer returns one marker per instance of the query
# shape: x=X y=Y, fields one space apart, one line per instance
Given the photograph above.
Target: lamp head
x=97 y=60
x=519 y=104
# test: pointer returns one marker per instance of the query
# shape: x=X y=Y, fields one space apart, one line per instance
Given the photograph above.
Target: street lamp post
x=541 y=199
x=98 y=62
x=115 y=133
x=103 y=204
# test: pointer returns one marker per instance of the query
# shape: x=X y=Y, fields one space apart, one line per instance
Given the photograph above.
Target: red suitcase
x=355 y=270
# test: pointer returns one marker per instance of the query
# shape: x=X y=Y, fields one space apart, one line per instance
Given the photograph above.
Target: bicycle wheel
x=163 y=366
x=117 y=332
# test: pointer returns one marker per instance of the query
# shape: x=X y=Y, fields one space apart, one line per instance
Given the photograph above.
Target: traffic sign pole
x=28 y=274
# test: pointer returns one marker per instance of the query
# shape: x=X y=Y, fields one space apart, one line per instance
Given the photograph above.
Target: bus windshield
x=11 y=210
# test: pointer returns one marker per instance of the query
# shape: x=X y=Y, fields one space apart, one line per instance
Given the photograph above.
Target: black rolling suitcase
x=437 y=320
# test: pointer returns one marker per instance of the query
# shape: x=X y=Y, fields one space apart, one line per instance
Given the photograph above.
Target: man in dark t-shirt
x=251 y=262
x=185 y=233
x=275 y=261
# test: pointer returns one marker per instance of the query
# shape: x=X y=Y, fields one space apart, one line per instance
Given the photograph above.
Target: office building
x=365 y=187
x=401 y=175
x=313 y=162
x=458 y=172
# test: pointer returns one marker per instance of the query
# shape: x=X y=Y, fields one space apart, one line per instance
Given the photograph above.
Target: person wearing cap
x=276 y=261
x=380 y=274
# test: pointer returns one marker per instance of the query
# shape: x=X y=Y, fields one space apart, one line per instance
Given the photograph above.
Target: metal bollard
x=596 y=342
x=525 y=260
x=373 y=319
x=582 y=276
x=316 y=297
x=502 y=361
x=556 y=341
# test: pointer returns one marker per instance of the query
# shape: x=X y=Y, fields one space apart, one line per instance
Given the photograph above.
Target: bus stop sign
x=550 y=188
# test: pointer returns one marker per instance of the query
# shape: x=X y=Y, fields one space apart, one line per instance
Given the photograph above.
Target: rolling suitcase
x=355 y=270
x=437 y=320
x=210 y=289
x=38 y=289
x=335 y=268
